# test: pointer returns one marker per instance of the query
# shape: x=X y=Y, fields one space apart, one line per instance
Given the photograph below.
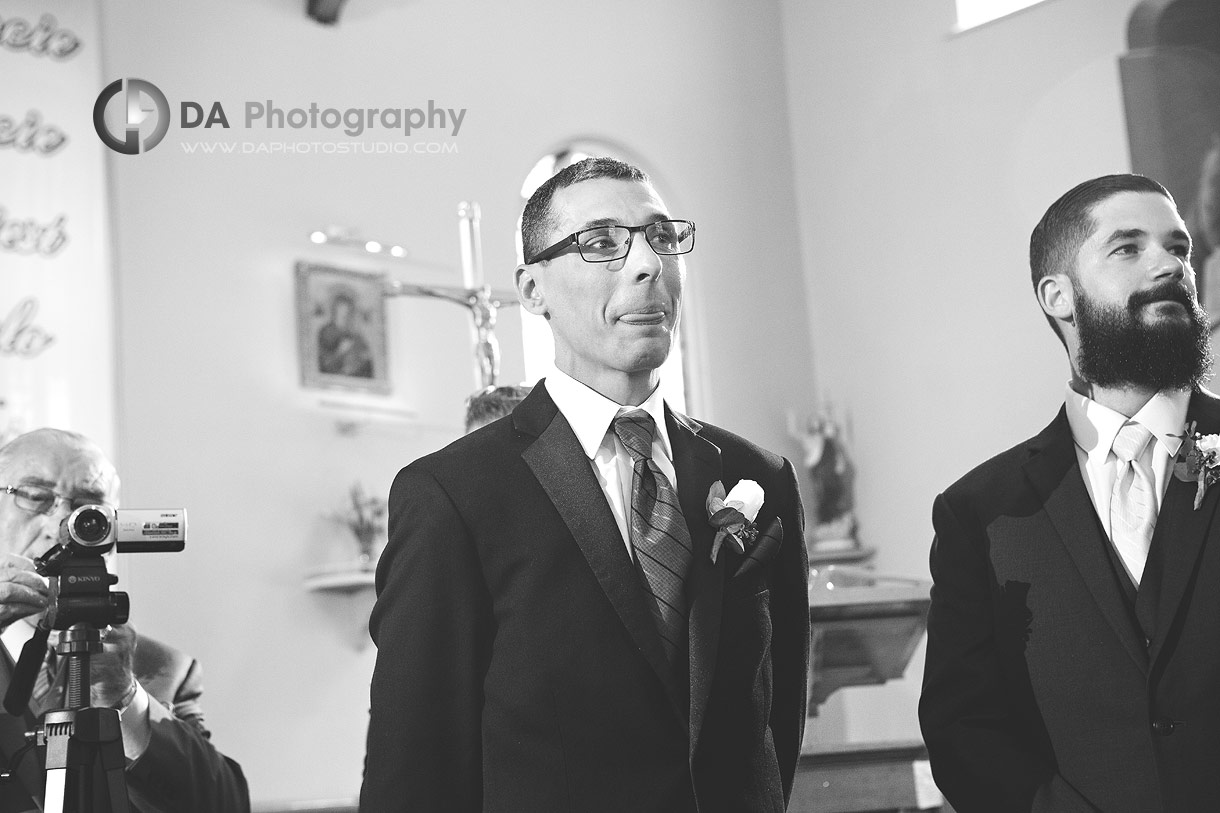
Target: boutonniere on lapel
x=733 y=515
x=1198 y=461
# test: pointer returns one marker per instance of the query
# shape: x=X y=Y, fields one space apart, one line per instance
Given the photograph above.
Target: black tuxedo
x=1042 y=690
x=519 y=667
x=180 y=772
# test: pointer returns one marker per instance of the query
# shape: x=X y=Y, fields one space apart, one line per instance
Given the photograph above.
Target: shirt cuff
x=135 y=724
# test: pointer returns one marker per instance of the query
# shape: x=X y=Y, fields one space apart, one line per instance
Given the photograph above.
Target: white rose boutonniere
x=1198 y=461
x=733 y=515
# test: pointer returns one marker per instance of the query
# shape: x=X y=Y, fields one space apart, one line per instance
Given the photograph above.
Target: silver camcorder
x=129 y=530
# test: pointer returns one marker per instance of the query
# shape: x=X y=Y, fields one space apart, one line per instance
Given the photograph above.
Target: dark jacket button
x=1163 y=726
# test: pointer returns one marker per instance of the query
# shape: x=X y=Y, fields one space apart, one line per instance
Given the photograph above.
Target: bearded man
x=1072 y=662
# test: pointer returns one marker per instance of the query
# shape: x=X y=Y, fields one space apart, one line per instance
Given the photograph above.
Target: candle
x=471 y=242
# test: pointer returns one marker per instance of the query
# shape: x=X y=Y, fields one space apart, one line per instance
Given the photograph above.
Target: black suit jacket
x=518 y=664
x=1041 y=689
x=180 y=772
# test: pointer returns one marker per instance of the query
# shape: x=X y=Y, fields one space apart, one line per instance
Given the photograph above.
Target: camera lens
x=90 y=526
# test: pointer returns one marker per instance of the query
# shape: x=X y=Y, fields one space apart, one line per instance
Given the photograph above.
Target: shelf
x=858 y=554
x=345 y=577
x=366 y=409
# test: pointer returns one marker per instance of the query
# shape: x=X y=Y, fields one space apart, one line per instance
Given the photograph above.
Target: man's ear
x=1057 y=297
x=529 y=292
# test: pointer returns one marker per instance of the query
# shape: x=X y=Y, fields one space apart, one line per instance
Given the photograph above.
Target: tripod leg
x=112 y=763
x=57 y=728
x=53 y=801
x=85 y=762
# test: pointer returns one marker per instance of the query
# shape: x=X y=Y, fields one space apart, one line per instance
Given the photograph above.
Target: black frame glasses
x=654 y=233
x=28 y=501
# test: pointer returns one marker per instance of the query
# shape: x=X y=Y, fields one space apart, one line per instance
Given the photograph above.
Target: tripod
x=85 y=761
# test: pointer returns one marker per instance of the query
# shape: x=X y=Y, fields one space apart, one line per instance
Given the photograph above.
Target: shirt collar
x=1094 y=426
x=591 y=414
x=16 y=634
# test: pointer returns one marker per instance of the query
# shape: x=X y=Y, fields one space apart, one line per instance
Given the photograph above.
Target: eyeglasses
x=603 y=244
x=39 y=500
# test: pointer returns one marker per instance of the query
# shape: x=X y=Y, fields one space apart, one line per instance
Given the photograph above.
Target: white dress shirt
x=1094 y=427
x=591 y=416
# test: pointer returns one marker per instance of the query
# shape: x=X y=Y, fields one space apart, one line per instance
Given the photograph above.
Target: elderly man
x=1072 y=641
x=171 y=765
x=555 y=630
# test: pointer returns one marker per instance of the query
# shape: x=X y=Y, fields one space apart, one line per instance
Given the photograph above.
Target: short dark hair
x=1067 y=224
x=537 y=220
x=491 y=403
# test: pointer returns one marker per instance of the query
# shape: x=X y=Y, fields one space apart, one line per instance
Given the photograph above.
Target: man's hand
x=113 y=681
x=23 y=592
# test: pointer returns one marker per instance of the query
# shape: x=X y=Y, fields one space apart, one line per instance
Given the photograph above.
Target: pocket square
x=764 y=548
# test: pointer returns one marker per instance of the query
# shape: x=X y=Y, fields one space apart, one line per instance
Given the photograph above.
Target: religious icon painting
x=341 y=329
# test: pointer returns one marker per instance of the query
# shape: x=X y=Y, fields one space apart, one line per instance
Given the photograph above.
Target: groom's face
x=1138 y=257
x=1136 y=312
x=610 y=317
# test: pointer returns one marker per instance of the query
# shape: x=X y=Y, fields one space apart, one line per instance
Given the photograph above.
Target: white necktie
x=1133 y=501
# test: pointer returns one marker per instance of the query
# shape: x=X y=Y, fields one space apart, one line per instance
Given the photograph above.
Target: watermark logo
x=132 y=116
x=140 y=102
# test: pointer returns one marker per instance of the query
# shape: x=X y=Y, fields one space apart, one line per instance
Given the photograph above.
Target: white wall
x=212 y=416
x=913 y=162
x=923 y=160
x=56 y=320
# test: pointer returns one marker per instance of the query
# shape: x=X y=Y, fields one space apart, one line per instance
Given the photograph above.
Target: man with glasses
x=171 y=765
x=558 y=629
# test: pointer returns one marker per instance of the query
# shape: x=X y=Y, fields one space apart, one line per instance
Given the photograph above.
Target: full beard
x=1118 y=348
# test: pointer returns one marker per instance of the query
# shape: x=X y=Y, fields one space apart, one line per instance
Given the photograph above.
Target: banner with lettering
x=57 y=335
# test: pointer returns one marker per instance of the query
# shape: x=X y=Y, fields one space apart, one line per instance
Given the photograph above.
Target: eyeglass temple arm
x=551 y=251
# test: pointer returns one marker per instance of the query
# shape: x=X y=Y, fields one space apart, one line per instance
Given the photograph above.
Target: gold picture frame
x=341 y=329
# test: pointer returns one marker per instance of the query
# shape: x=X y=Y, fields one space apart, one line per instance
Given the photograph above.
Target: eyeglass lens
x=41 y=500
x=612 y=242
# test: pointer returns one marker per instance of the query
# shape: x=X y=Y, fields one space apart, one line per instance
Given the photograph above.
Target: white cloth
x=591 y=416
x=1094 y=428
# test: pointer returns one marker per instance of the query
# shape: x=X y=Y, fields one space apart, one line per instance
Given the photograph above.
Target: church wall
x=212 y=415
x=923 y=159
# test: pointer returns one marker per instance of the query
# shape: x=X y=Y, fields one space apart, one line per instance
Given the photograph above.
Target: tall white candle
x=472 y=249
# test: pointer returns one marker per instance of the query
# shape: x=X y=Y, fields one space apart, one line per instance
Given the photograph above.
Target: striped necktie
x=43 y=698
x=658 y=533
x=1133 y=500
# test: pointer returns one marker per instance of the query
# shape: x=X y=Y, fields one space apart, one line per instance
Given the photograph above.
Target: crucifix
x=474 y=294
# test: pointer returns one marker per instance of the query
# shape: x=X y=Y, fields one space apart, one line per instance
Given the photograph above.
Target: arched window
x=539 y=349
x=971 y=13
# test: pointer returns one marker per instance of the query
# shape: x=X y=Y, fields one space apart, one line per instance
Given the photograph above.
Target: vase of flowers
x=364 y=517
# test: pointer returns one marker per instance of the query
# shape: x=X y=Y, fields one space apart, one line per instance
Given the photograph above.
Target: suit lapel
x=1181 y=530
x=558 y=461
x=1055 y=474
x=697 y=466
